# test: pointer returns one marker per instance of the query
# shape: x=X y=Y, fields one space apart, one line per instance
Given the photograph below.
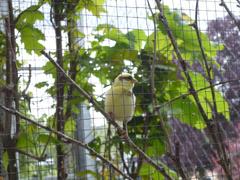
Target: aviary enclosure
x=59 y=57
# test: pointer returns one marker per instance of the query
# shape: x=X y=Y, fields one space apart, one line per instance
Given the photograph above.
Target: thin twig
x=176 y=159
x=120 y=130
x=24 y=94
x=183 y=64
x=238 y=5
x=152 y=73
x=154 y=99
x=29 y=80
x=48 y=140
x=41 y=158
x=222 y=152
x=197 y=91
x=208 y=69
x=230 y=13
x=192 y=90
x=51 y=17
x=67 y=138
x=121 y=150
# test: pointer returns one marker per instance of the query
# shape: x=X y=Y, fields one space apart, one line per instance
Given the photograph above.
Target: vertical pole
x=84 y=134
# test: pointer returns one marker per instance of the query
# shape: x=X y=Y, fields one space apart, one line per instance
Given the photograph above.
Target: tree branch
x=197 y=91
x=67 y=138
x=120 y=130
x=154 y=99
x=41 y=158
x=230 y=13
x=192 y=91
x=222 y=152
x=208 y=69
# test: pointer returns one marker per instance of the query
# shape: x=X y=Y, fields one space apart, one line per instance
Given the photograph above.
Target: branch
x=208 y=69
x=154 y=99
x=29 y=80
x=238 y=1
x=152 y=75
x=221 y=149
x=230 y=13
x=197 y=91
x=24 y=95
x=41 y=158
x=183 y=64
x=67 y=138
x=176 y=159
x=121 y=151
x=48 y=141
x=192 y=90
x=120 y=131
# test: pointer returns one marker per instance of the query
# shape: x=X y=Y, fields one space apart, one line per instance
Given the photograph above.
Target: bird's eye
x=129 y=78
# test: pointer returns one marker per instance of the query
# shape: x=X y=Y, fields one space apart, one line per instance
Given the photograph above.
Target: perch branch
x=108 y=117
x=192 y=90
x=67 y=138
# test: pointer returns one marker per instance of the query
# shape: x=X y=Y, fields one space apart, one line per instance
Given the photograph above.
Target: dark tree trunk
x=11 y=95
x=57 y=6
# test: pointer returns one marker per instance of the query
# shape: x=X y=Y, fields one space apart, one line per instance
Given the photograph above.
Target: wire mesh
x=100 y=39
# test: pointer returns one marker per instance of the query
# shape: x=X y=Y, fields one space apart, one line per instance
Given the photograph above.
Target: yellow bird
x=120 y=100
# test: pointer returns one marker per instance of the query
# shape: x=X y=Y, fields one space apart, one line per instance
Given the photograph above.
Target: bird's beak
x=135 y=80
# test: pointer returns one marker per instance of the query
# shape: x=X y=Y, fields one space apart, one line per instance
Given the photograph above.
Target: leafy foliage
x=131 y=51
x=30 y=36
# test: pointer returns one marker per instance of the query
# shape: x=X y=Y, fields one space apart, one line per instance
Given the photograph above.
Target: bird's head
x=125 y=80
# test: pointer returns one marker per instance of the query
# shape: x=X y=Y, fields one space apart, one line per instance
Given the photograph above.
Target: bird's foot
x=123 y=135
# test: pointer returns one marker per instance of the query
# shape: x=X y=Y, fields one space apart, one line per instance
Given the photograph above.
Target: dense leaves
x=110 y=52
x=30 y=36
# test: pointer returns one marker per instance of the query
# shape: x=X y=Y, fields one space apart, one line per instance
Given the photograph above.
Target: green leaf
x=5 y=160
x=88 y=172
x=96 y=144
x=136 y=38
x=30 y=37
x=29 y=16
x=189 y=47
x=24 y=140
x=156 y=149
x=70 y=126
x=49 y=68
x=200 y=82
x=41 y=84
x=94 y=6
x=113 y=33
x=45 y=138
x=185 y=110
x=162 y=42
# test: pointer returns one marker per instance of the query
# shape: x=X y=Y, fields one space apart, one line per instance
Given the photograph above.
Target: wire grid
x=196 y=154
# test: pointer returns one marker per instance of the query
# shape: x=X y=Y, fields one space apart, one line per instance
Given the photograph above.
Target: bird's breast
x=121 y=103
